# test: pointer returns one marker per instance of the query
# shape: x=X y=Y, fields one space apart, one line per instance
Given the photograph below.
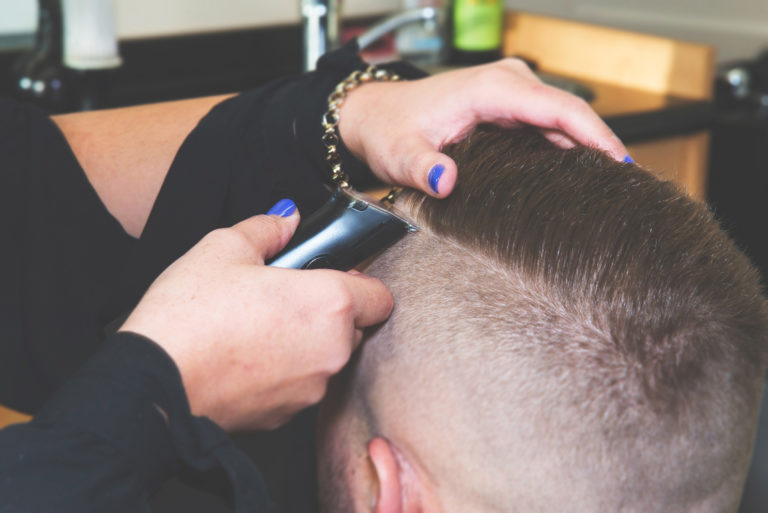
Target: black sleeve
x=60 y=260
x=111 y=435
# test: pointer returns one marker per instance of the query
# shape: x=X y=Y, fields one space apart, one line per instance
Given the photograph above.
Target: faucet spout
x=321 y=20
x=417 y=15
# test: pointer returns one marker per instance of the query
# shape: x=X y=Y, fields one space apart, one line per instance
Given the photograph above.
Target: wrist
x=357 y=115
x=353 y=116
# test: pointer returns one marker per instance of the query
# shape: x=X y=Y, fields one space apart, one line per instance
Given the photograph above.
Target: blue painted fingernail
x=628 y=160
x=434 y=176
x=282 y=208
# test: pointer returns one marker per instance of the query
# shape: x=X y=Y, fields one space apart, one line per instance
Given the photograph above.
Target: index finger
x=546 y=106
x=577 y=119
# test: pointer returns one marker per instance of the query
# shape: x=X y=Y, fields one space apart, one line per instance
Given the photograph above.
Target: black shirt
x=107 y=435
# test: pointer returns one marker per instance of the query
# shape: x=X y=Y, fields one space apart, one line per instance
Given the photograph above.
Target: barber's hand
x=256 y=344
x=398 y=128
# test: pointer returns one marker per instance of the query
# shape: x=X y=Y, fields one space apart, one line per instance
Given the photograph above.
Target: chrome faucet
x=321 y=20
x=417 y=15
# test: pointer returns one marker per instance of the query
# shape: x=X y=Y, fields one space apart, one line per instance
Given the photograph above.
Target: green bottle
x=477 y=30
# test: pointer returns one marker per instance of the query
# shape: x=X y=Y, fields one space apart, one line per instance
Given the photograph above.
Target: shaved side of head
x=569 y=333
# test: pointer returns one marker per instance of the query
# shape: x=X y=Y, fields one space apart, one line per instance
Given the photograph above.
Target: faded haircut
x=570 y=333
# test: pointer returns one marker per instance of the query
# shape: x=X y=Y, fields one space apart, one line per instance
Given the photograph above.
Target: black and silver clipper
x=347 y=230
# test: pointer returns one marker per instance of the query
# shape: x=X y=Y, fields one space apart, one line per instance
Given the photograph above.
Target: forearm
x=126 y=153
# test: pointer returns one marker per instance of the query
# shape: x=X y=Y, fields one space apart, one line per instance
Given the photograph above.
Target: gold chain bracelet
x=336 y=99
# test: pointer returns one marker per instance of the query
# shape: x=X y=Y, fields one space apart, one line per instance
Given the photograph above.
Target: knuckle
x=542 y=89
x=583 y=104
x=273 y=224
x=509 y=71
x=579 y=104
x=317 y=393
x=269 y=225
x=517 y=67
x=571 y=107
x=340 y=301
x=338 y=359
x=389 y=302
x=516 y=63
x=223 y=237
x=277 y=421
x=493 y=74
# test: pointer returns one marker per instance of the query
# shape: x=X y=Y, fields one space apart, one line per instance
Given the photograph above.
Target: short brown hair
x=632 y=324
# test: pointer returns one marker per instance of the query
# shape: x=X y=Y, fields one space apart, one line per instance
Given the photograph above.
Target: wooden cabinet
x=631 y=74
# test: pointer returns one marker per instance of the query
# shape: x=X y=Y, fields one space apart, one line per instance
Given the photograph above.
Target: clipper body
x=350 y=228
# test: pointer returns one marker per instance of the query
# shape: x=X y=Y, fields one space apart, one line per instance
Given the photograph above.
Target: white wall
x=142 y=18
x=17 y=16
x=180 y=16
x=738 y=28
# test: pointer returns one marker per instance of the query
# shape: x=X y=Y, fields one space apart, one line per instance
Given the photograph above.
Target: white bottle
x=90 y=39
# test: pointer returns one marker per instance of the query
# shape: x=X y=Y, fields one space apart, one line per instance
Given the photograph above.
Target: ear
x=392 y=479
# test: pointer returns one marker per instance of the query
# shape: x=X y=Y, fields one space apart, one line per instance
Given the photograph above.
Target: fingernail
x=434 y=176
x=628 y=160
x=282 y=208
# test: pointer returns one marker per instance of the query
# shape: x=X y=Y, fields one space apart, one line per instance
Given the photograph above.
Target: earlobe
x=389 y=497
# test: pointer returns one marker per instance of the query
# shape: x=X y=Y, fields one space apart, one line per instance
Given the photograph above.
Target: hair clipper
x=347 y=230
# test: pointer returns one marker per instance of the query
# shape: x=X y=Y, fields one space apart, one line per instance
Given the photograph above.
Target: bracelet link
x=330 y=121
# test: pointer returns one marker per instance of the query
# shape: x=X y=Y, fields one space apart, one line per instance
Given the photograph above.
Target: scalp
x=580 y=322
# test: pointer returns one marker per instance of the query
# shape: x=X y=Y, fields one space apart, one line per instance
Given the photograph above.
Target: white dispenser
x=90 y=38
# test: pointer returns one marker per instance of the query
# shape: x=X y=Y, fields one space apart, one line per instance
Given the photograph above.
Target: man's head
x=570 y=334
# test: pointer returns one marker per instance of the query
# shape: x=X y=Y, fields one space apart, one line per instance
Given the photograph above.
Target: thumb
x=269 y=233
x=424 y=168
